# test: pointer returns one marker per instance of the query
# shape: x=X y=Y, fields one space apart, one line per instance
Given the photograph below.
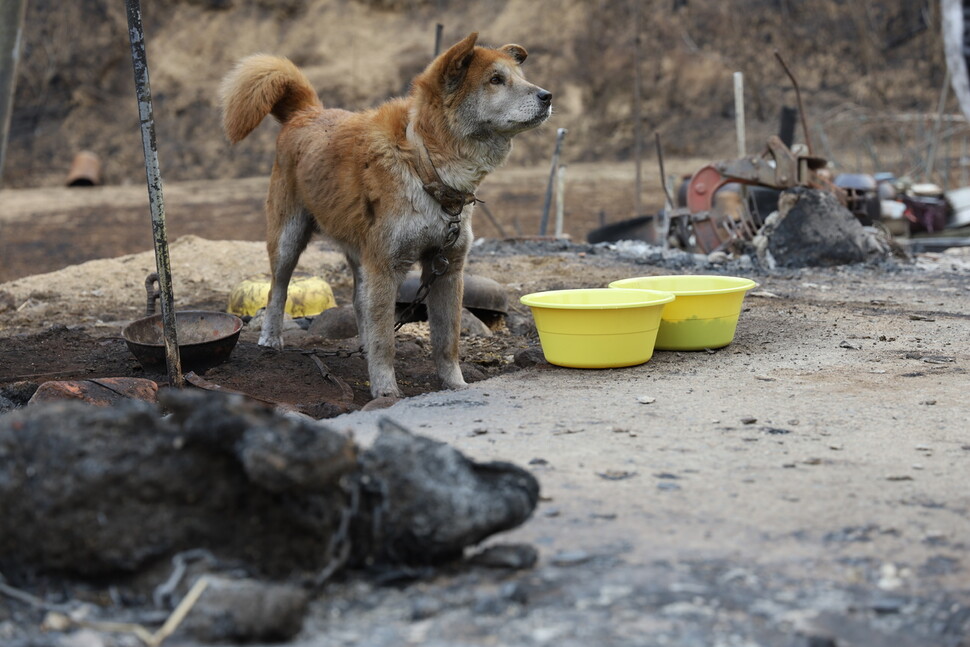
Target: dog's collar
x=452 y=200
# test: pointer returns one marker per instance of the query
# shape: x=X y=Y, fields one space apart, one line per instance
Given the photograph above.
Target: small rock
x=528 y=357
x=509 y=556
x=570 y=558
x=380 y=403
x=520 y=325
x=102 y=392
x=82 y=638
x=472 y=326
x=335 y=323
x=616 y=475
x=748 y=420
x=246 y=610
x=515 y=592
x=646 y=399
x=889 y=579
x=850 y=345
x=424 y=607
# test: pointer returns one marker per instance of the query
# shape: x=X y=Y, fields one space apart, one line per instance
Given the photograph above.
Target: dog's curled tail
x=260 y=85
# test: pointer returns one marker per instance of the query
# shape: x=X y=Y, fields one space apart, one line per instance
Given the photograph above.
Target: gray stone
x=510 y=556
x=246 y=611
x=472 y=326
x=335 y=323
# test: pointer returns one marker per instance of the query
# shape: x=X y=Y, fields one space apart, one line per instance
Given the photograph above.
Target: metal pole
x=637 y=118
x=438 y=29
x=139 y=60
x=544 y=225
x=11 y=27
x=560 y=195
x=798 y=97
x=935 y=140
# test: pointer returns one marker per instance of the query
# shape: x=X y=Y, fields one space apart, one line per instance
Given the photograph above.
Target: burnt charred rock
x=812 y=229
x=436 y=500
x=103 y=491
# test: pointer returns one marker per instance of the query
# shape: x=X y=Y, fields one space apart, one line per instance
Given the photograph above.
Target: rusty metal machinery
x=777 y=168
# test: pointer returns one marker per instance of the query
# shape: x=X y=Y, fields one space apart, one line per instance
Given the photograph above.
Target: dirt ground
x=803 y=484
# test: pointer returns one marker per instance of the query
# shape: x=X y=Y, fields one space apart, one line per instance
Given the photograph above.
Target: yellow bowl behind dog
x=705 y=314
x=307 y=296
x=597 y=328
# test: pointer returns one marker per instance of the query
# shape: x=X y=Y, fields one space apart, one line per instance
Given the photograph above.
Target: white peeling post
x=739 y=112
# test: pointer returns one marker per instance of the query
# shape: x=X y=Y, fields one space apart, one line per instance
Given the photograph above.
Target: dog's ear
x=517 y=52
x=457 y=61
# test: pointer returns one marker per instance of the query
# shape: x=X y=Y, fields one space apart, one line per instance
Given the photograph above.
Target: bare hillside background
x=864 y=59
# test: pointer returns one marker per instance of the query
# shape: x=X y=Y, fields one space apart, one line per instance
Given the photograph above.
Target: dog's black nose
x=545 y=97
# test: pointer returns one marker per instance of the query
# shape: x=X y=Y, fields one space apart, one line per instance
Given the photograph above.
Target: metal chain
x=439 y=265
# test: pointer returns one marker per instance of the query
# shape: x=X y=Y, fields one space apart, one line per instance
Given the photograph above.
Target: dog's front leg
x=444 y=318
x=375 y=322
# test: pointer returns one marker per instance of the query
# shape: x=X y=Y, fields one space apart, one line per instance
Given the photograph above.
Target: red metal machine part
x=777 y=168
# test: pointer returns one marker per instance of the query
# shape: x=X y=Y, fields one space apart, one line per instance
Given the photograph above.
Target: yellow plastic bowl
x=307 y=296
x=705 y=314
x=597 y=328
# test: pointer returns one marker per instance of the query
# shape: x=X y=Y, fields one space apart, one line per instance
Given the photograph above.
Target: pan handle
x=153 y=293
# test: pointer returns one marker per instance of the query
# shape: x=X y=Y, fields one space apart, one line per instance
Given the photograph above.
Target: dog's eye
x=497 y=79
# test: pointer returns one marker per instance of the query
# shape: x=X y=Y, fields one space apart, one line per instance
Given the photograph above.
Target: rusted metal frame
x=139 y=59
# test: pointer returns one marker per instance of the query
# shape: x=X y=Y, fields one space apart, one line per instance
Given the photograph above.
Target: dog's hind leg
x=444 y=318
x=285 y=244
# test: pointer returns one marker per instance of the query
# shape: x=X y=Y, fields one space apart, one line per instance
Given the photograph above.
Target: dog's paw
x=387 y=391
x=271 y=341
x=456 y=385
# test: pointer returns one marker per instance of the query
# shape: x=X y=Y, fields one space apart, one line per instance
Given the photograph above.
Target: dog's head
x=483 y=91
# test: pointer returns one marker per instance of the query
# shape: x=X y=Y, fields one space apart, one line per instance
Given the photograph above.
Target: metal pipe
x=798 y=97
x=11 y=27
x=637 y=114
x=143 y=92
x=544 y=225
x=560 y=198
x=438 y=30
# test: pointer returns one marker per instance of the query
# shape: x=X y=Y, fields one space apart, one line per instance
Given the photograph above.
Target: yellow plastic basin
x=597 y=328
x=705 y=314
x=307 y=296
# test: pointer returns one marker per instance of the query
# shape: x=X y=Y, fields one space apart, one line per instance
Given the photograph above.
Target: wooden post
x=11 y=27
x=560 y=195
x=544 y=225
x=143 y=91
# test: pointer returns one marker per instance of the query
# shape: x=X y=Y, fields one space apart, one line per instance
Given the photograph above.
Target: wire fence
x=922 y=147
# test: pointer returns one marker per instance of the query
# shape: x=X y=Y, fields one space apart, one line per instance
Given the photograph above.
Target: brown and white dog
x=388 y=185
